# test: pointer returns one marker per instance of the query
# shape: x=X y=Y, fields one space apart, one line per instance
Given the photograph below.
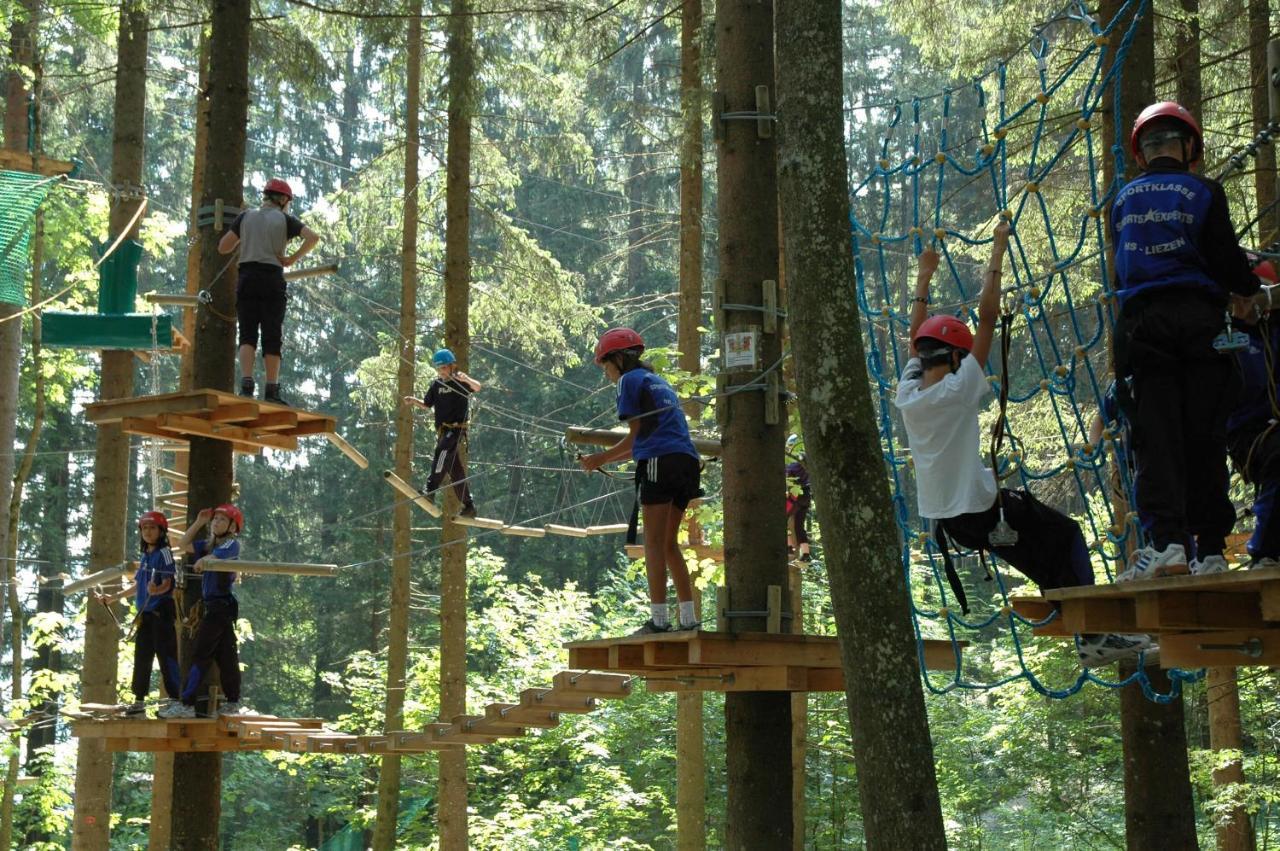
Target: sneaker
x=1148 y=563
x=246 y=387
x=806 y=557
x=177 y=709
x=1103 y=649
x=1265 y=563
x=135 y=709
x=693 y=627
x=1208 y=565
x=468 y=510
x=230 y=707
x=651 y=628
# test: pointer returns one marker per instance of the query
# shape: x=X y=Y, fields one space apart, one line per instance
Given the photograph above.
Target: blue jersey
x=1253 y=404
x=155 y=567
x=663 y=428
x=1172 y=228
x=216 y=585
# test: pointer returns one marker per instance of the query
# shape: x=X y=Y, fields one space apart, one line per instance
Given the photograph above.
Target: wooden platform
x=1225 y=619
x=250 y=425
x=718 y=661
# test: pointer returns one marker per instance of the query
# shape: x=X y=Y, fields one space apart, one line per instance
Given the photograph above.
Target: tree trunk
x=891 y=745
x=1234 y=828
x=194 y=249
x=757 y=725
x=634 y=148
x=197 y=777
x=384 y=833
x=457 y=332
x=691 y=767
x=1186 y=57
x=1264 y=175
x=111 y=467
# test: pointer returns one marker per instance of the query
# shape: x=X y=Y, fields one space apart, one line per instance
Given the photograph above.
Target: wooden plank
x=240 y=412
x=524 y=531
x=567 y=531
x=609 y=529
x=1220 y=648
x=347 y=449
x=595 y=658
x=1232 y=580
x=478 y=522
x=626 y=657
x=311 y=272
x=11 y=160
x=1160 y=611
x=734 y=652
x=1099 y=615
x=593 y=684
x=408 y=490
x=275 y=421
x=1038 y=609
x=545 y=698
x=521 y=716
x=755 y=679
x=322 y=425
x=664 y=654
x=938 y=655
x=1269 y=600
x=116 y=410
x=465 y=727
x=203 y=428
x=101 y=577
x=609 y=437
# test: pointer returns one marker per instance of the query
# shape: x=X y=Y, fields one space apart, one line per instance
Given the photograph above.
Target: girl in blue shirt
x=155 y=636
x=216 y=636
x=668 y=469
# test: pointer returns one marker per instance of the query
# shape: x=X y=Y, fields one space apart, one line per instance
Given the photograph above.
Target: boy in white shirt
x=942 y=391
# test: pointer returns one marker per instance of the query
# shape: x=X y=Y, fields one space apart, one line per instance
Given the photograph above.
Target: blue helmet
x=443 y=357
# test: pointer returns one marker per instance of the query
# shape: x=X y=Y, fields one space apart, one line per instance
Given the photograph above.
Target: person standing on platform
x=799 y=500
x=261 y=292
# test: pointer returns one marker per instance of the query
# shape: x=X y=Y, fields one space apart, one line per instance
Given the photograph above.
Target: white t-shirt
x=942 y=430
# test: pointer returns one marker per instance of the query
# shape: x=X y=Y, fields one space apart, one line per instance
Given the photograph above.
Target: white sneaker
x=231 y=707
x=1148 y=563
x=177 y=709
x=1208 y=565
x=1105 y=649
x=1265 y=563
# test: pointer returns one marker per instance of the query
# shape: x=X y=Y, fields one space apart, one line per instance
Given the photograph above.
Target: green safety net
x=21 y=193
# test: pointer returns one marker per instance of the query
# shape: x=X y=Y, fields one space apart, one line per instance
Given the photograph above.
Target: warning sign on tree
x=740 y=350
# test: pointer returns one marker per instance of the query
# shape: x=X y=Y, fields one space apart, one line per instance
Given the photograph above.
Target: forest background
x=574 y=208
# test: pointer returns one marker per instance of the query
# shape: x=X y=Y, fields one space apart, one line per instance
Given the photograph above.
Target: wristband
x=920 y=300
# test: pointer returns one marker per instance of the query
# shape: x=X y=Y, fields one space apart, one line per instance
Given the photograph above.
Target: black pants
x=1179 y=393
x=1050 y=551
x=156 y=639
x=1255 y=452
x=797 y=514
x=447 y=460
x=261 y=295
x=215 y=642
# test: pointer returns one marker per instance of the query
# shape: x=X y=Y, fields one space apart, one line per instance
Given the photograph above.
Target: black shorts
x=674 y=479
x=260 y=300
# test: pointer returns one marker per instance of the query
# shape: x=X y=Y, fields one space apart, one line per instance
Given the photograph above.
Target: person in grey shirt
x=262 y=236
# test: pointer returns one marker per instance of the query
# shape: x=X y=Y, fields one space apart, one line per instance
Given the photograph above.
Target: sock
x=658 y=613
x=687 y=617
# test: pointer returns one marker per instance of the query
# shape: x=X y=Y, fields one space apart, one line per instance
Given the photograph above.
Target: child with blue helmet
x=449 y=397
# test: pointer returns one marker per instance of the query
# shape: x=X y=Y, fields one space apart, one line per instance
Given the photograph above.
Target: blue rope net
x=1018 y=143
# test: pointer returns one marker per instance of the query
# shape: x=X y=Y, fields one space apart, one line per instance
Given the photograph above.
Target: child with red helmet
x=155 y=637
x=216 y=636
x=942 y=391
x=668 y=470
x=262 y=235
x=1176 y=263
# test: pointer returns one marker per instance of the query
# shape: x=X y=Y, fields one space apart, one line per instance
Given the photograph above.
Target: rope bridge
x=949 y=167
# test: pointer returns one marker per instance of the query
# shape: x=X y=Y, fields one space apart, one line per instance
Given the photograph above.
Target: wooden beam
x=101 y=577
x=23 y=161
x=1221 y=648
x=1232 y=580
x=406 y=489
x=274 y=421
x=545 y=698
x=521 y=716
x=115 y=411
x=236 y=434
x=171 y=299
x=1107 y=614
x=1269 y=600
x=608 y=437
x=478 y=522
x=240 y=412
x=266 y=568
x=311 y=272
x=567 y=531
x=347 y=449
x=608 y=529
x=593 y=684
x=1162 y=611
x=524 y=531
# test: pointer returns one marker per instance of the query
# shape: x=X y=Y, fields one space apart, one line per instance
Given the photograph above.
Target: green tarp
x=21 y=194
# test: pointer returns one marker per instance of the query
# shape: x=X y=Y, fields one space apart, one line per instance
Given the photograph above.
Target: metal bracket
x=1251 y=648
x=215 y=215
x=761 y=115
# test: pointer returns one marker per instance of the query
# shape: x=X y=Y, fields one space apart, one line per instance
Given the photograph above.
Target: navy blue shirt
x=663 y=428
x=1253 y=403
x=448 y=399
x=154 y=568
x=797 y=473
x=216 y=585
x=1172 y=228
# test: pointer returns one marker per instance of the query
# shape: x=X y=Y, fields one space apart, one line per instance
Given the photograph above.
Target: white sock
x=687 y=617
x=658 y=613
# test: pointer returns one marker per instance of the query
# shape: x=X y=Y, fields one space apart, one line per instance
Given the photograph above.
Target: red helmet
x=945 y=329
x=1167 y=109
x=233 y=514
x=278 y=186
x=155 y=517
x=615 y=340
x=1264 y=269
